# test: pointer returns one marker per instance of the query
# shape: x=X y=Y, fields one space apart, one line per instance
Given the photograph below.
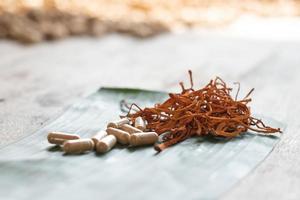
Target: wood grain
x=39 y=82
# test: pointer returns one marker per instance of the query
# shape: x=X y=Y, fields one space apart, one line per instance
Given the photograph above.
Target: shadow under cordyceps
x=217 y=139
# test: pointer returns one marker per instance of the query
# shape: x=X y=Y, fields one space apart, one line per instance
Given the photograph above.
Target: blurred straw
x=37 y=20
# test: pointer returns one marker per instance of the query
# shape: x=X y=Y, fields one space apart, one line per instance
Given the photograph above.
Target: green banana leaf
x=198 y=168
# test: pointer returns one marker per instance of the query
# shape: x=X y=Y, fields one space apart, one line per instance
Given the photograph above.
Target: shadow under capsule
x=55 y=148
x=116 y=147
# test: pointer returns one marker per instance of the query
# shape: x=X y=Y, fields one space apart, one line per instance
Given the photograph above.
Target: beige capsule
x=59 y=138
x=122 y=136
x=145 y=138
x=140 y=123
x=106 y=144
x=118 y=123
x=96 y=138
x=130 y=129
x=78 y=146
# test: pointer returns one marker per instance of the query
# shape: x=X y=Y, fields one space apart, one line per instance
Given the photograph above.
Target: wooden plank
x=279 y=176
x=39 y=81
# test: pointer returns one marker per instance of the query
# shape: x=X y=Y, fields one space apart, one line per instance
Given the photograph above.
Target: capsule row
x=118 y=131
x=73 y=144
x=139 y=124
x=132 y=135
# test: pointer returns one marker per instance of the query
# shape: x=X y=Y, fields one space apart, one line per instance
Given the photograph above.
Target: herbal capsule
x=78 y=146
x=96 y=138
x=117 y=124
x=122 y=136
x=59 y=138
x=106 y=143
x=130 y=129
x=144 y=138
x=140 y=123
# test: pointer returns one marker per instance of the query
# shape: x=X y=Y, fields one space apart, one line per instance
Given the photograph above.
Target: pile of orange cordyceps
x=207 y=111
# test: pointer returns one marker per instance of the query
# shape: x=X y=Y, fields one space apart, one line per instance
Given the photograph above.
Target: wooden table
x=38 y=82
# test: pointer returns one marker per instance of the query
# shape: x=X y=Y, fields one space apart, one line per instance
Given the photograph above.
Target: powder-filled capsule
x=118 y=123
x=59 y=138
x=140 y=123
x=106 y=144
x=130 y=129
x=145 y=138
x=98 y=136
x=78 y=146
x=122 y=136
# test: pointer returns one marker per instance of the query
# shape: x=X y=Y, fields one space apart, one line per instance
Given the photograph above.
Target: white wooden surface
x=38 y=82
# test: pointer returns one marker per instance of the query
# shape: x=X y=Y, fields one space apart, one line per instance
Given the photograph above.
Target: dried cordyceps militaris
x=207 y=111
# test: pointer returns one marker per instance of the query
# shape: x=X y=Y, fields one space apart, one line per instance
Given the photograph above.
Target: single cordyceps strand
x=210 y=110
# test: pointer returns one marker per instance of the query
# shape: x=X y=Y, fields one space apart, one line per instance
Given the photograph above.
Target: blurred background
x=31 y=21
